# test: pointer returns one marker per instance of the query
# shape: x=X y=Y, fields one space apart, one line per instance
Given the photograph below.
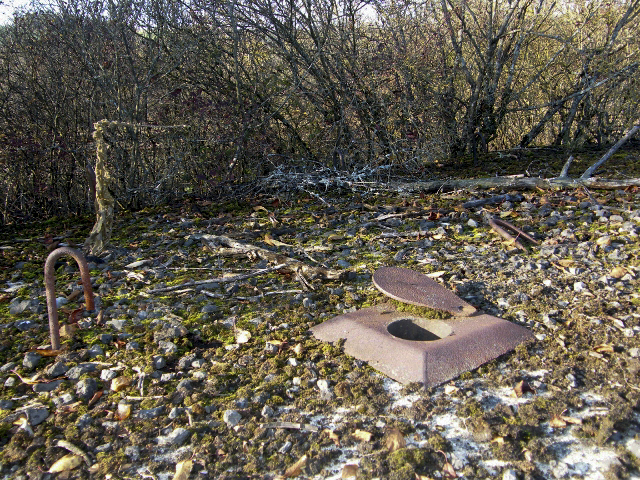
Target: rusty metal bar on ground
x=50 y=286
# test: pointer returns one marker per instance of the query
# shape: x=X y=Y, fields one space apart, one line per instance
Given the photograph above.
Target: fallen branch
x=497 y=224
x=525 y=183
x=296 y=426
x=589 y=171
x=233 y=278
x=492 y=200
x=287 y=263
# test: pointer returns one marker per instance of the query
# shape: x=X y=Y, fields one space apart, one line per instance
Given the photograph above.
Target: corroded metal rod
x=50 y=286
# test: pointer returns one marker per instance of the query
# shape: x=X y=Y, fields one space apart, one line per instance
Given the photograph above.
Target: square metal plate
x=442 y=349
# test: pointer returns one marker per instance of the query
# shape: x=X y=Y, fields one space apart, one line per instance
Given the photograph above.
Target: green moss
x=418 y=311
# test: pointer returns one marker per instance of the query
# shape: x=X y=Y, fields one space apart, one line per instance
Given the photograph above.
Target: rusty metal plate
x=442 y=349
x=408 y=286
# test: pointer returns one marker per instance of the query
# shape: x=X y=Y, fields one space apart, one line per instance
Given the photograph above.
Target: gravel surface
x=222 y=379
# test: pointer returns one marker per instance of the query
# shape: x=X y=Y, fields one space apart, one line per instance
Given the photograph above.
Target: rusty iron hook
x=50 y=286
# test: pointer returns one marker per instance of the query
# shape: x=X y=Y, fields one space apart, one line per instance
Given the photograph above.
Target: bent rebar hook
x=50 y=286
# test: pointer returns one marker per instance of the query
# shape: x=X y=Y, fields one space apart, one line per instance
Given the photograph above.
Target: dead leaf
x=46 y=352
x=557 y=422
x=258 y=208
x=498 y=440
x=363 y=435
x=333 y=436
x=183 y=469
x=335 y=237
x=523 y=387
x=67 y=331
x=75 y=315
x=29 y=381
x=350 y=471
x=4 y=298
x=95 y=398
x=66 y=463
x=447 y=469
x=528 y=456
x=296 y=469
x=603 y=348
x=269 y=240
x=395 y=440
x=124 y=411
x=566 y=262
x=73 y=295
x=120 y=383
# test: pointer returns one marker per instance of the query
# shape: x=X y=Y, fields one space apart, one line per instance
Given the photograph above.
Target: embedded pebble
x=86 y=389
x=31 y=360
x=231 y=417
x=175 y=438
x=37 y=415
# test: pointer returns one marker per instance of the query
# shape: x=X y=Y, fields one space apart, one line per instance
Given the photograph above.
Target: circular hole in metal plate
x=419 y=329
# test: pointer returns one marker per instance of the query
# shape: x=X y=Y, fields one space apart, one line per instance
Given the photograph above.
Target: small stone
x=231 y=417
x=6 y=404
x=105 y=447
x=24 y=325
x=167 y=348
x=285 y=447
x=106 y=338
x=159 y=362
x=343 y=263
x=579 y=287
x=86 y=389
x=60 y=301
x=132 y=346
x=616 y=219
x=31 y=360
x=210 y=308
x=10 y=382
x=634 y=352
x=175 y=412
x=47 y=387
x=267 y=411
x=271 y=348
x=175 y=438
x=108 y=374
x=37 y=415
x=150 y=413
x=292 y=361
x=64 y=399
x=84 y=421
x=7 y=367
x=117 y=324
x=186 y=361
x=167 y=377
x=198 y=363
x=185 y=385
x=133 y=452
x=472 y=223
x=76 y=372
x=169 y=333
x=509 y=474
x=18 y=307
x=95 y=350
x=307 y=303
